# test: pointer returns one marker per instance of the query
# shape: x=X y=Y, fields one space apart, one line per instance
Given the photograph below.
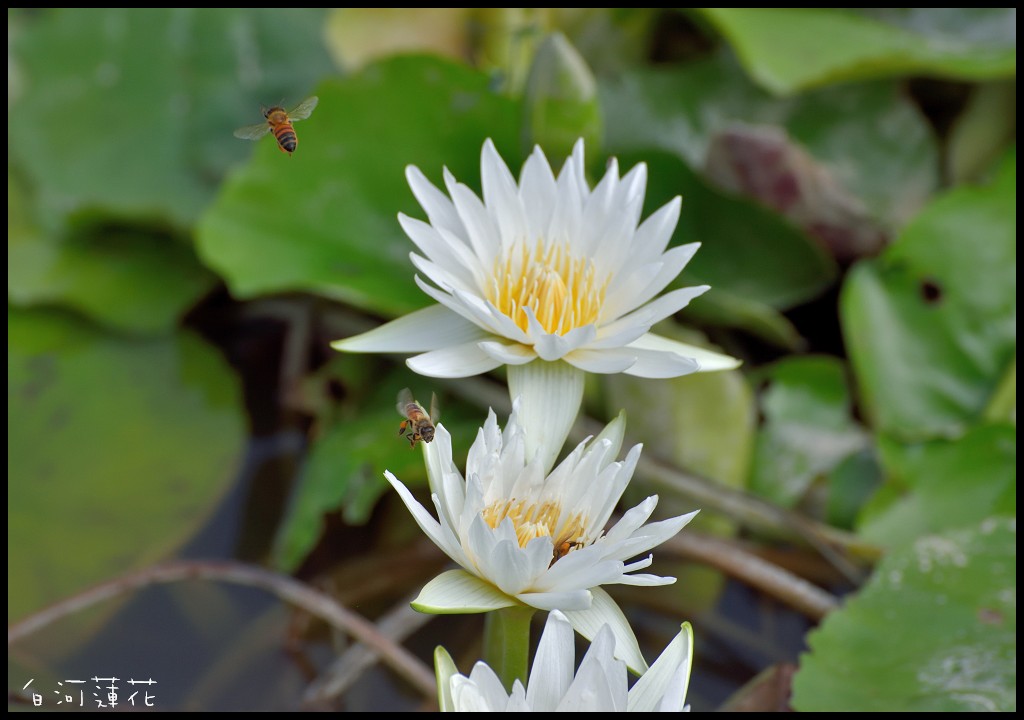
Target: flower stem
x=507 y=643
x=550 y=394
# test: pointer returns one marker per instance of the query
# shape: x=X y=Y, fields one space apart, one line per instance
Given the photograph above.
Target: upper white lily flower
x=600 y=684
x=522 y=536
x=547 y=276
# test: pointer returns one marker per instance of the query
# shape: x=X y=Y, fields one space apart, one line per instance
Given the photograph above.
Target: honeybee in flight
x=417 y=424
x=280 y=122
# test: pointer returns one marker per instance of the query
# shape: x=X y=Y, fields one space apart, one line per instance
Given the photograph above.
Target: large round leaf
x=117 y=451
x=790 y=49
x=935 y=629
x=126 y=278
x=949 y=483
x=324 y=220
x=869 y=138
x=931 y=325
x=132 y=109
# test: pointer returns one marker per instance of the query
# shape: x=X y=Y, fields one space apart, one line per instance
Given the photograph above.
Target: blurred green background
x=172 y=292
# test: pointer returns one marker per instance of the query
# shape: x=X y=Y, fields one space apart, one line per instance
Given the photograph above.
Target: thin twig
x=397 y=624
x=405 y=664
x=757 y=572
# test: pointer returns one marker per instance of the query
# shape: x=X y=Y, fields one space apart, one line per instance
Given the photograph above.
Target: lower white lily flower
x=600 y=684
x=523 y=537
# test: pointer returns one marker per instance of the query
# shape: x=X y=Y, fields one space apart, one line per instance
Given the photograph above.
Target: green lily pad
x=868 y=138
x=118 y=449
x=324 y=220
x=808 y=430
x=746 y=250
x=950 y=483
x=123 y=277
x=792 y=49
x=935 y=629
x=931 y=325
x=131 y=109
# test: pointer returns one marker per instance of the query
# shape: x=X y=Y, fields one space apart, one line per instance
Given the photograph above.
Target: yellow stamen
x=563 y=291
x=539 y=520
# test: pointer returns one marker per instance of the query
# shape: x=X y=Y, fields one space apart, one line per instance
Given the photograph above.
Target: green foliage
x=790 y=49
x=324 y=220
x=127 y=110
x=118 y=450
x=931 y=325
x=820 y=153
x=950 y=483
x=807 y=428
x=934 y=630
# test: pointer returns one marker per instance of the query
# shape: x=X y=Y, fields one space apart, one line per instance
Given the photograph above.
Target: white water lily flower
x=547 y=276
x=600 y=684
x=522 y=536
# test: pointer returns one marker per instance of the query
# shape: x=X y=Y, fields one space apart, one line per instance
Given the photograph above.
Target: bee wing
x=252 y=132
x=304 y=109
x=404 y=398
x=435 y=409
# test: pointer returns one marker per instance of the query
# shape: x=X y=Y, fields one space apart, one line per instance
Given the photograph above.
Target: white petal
x=439 y=208
x=510 y=353
x=604 y=611
x=601 y=361
x=456 y=304
x=709 y=360
x=484 y=237
x=622 y=299
x=441 y=276
x=625 y=286
x=652 y=535
x=673 y=262
x=631 y=520
x=457 y=361
x=664 y=686
x=553 y=664
x=492 y=695
x=468 y=697
x=431 y=527
x=444 y=248
x=549 y=395
x=456 y=591
x=537 y=190
x=658 y=364
x=600 y=684
x=555 y=347
x=501 y=196
x=445 y=481
x=644 y=580
x=431 y=328
x=569 y=600
x=657 y=310
x=653 y=234
x=614 y=432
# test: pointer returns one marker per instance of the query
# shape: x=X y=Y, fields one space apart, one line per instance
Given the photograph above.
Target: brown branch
x=757 y=572
x=397 y=624
x=405 y=664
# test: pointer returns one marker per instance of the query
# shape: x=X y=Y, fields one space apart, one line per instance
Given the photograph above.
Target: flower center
x=532 y=520
x=563 y=290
